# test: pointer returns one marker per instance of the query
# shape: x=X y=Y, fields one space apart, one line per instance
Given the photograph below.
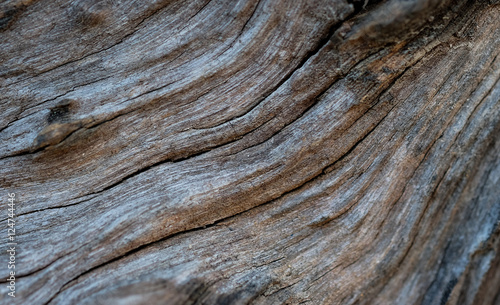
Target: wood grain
x=252 y=152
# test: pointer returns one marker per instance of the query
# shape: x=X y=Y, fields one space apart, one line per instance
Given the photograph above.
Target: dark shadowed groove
x=322 y=43
x=165 y=161
x=269 y=262
x=134 y=30
x=393 y=82
x=57 y=207
x=242 y=29
x=199 y=228
x=321 y=173
x=324 y=170
x=197 y=12
x=417 y=223
x=316 y=99
x=30 y=150
x=197 y=154
x=314 y=51
x=20 y=116
x=322 y=275
x=439 y=269
x=284 y=287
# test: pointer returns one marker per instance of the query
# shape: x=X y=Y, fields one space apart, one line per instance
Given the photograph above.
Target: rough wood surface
x=252 y=152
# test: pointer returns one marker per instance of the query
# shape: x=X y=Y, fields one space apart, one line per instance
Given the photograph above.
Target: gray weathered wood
x=263 y=152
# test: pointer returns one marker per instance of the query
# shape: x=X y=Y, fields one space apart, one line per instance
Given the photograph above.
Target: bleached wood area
x=251 y=152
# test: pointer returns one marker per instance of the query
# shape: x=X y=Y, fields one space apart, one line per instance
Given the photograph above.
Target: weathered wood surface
x=263 y=152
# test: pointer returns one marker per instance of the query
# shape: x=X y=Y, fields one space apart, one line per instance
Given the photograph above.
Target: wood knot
x=54 y=134
x=60 y=125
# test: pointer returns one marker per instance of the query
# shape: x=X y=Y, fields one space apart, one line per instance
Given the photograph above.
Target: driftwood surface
x=251 y=152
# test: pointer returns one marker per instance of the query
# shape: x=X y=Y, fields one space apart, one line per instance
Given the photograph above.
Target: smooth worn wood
x=251 y=152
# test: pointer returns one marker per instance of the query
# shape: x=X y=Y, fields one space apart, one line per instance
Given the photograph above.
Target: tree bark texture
x=251 y=152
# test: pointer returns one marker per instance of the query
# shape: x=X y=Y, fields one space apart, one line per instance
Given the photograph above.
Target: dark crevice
x=215 y=223
x=296 y=242
x=88 y=55
x=22 y=152
x=270 y=262
x=315 y=50
x=438 y=184
x=321 y=276
x=316 y=99
x=362 y=138
x=194 y=15
x=393 y=82
x=57 y=207
x=134 y=30
x=30 y=150
x=438 y=269
x=282 y=288
x=16 y=118
x=193 y=229
x=242 y=29
x=310 y=54
x=56 y=97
